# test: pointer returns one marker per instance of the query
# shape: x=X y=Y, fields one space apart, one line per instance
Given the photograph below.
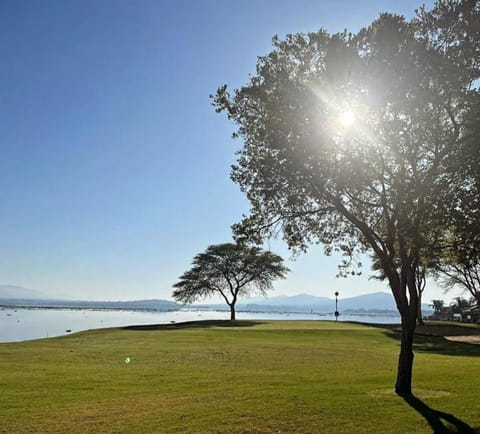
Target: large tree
x=230 y=271
x=354 y=141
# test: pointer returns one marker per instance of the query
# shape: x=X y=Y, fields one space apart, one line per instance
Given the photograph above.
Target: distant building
x=472 y=314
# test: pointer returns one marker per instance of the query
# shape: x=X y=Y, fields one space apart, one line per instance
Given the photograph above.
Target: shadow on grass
x=193 y=325
x=440 y=422
x=439 y=345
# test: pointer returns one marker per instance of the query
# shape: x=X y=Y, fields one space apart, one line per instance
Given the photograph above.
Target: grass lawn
x=253 y=377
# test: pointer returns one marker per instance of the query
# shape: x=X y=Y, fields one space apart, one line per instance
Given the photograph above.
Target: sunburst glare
x=346 y=118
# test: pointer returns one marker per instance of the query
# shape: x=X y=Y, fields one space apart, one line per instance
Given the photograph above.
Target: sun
x=346 y=118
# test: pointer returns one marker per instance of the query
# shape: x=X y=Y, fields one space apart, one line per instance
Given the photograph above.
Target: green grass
x=255 y=377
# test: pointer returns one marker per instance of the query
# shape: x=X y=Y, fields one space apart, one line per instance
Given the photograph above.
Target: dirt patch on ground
x=468 y=339
x=447 y=330
x=453 y=332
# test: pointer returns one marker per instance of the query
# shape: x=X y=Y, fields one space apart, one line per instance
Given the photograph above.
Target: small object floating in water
x=127 y=360
x=9 y=314
x=68 y=331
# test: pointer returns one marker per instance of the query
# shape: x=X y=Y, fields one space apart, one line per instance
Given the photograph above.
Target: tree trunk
x=420 y=315
x=407 y=299
x=421 y=283
x=232 y=312
x=403 y=385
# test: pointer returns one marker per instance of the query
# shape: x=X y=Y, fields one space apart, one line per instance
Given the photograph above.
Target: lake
x=25 y=324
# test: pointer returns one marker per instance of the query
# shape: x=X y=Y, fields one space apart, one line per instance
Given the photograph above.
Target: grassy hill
x=253 y=377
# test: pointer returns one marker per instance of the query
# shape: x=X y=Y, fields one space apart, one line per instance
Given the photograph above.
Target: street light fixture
x=337 y=314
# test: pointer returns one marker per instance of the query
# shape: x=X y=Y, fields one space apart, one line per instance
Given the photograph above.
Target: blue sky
x=114 y=165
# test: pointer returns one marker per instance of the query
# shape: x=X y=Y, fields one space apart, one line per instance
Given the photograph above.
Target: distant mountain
x=306 y=302
x=12 y=291
x=87 y=304
x=283 y=300
x=377 y=301
x=11 y=295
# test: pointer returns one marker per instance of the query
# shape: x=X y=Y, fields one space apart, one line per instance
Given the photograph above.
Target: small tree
x=462 y=273
x=438 y=308
x=230 y=270
x=459 y=266
x=459 y=305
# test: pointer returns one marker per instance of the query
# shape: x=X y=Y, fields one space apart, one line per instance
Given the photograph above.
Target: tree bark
x=421 y=283
x=232 y=312
x=408 y=309
x=403 y=385
x=420 y=314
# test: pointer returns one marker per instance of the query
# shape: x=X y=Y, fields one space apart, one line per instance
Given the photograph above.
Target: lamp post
x=336 y=306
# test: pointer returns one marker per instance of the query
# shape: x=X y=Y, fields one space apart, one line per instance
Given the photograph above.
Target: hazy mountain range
x=378 y=301
x=18 y=296
x=12 y=291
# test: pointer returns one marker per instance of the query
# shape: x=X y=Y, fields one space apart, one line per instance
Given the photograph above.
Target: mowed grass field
x=246 y=377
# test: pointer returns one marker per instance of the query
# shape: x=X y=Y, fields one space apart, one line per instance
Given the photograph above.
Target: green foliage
x=454 y=28
x=383 y=182
x=387 y=181
x=459 y=305
x=459 y=265
x=438 y=307
x=468 y=309
x=230 y=270
x=288 y=376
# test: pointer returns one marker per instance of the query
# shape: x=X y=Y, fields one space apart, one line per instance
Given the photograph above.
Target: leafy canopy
x=355 y=140
x=230 y=270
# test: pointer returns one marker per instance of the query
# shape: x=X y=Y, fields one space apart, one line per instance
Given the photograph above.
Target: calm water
x=25 y=324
